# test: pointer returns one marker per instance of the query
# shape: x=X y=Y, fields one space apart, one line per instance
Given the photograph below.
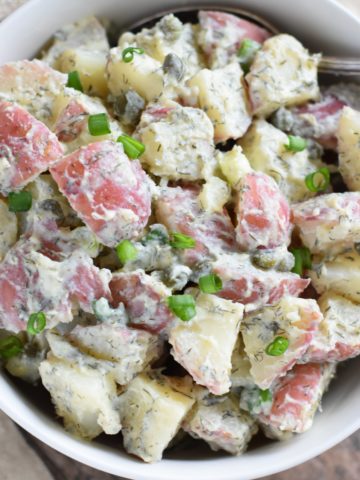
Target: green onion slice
x=179 y=240
x=265 y=395
x=319 y=180
x=156 y=235
x=296 y=144
x=210 y=283
x=246 y=53
x=10 y=347
x=98 y=124
x=302 y=259
x=20 y=201
x=126 y=251
x=74 y=81
x=277 y=347
x=183 y=306
x=128 y=53
x=133 y=148
x=36 y=323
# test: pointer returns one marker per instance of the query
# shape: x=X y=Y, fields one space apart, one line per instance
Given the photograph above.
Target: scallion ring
x=210 y=283
x=296 y=144
x=10 y=347
x=20 y=201
x=246 y=53
x=265 y=395
x=98 y=124
x=183 y=306
x=36 y=323
x=128 y=53
x=126 y=251
x=133 y=148
x=277 y=347
x=181 y=241
x=316 y=184
x=302 y=256
x=74 y=81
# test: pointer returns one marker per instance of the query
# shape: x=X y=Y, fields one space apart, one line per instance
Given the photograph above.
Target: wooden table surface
x=22 y=457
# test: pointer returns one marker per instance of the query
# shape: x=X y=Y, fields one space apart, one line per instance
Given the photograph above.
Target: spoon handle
x=339 y=66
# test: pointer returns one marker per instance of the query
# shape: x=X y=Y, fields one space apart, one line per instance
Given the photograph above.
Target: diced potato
x=295 y=399
x=294 y=319
x=71 y=112
x=233 y=165
x=91 y=67
x=84 y=397
x=143 y=74
x=240 y=373
x=130 y=350
x=151 y=415
x=178 y=141
x=37 y=87
x=348 y=135
x=169 y=35
x=329 y=223
x=214 y=194
x=8 y=229
x=264 y=147
x=26 y=364
x=221 y=94
x=338 y=337
x=283 y=74
x=222 y=425
x=340 y=275
x=86 y=33
x=204 y=345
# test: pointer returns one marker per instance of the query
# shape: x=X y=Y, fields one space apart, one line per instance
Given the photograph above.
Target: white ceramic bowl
x=323 y=26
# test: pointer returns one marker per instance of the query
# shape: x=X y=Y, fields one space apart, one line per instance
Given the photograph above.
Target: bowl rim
x=52 y=434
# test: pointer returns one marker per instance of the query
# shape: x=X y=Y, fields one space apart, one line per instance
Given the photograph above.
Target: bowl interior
x=322 y=26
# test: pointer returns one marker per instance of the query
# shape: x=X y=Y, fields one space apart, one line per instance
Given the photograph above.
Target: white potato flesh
x=241 y=366
x=71 y=111
x=91 y=67
x=178 y=141
x=214 y=194
x=222 y=425
x=8 y=229
x=143 y=75
x=348 y=136
x=130 y=350
x=264 y=147
x=169 y=35
x=84 y=397
x=283 y=73
x=151 y=415
x=340 y=275
x=204 y=345
x=86 y=33
x=233 y=165
x=221 y=94
x=295 y=319
x=338 y=337
x=329 y=224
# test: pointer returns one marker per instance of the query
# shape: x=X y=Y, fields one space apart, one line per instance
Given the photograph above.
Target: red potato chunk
x=263 y=213
x=27 y=147
x=297 y=396
x=109 y=193
x=330 y=222
x=33 y=85
x=338 y=337
x=222 y=33
x=242 y=282
x=180 y=211
x=71 y=122
x=31 y=282
x=144 y=299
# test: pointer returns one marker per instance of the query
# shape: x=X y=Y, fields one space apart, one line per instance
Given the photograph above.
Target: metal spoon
x=328 y=64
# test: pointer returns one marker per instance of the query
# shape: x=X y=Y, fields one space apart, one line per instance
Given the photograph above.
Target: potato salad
x=180 y=231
